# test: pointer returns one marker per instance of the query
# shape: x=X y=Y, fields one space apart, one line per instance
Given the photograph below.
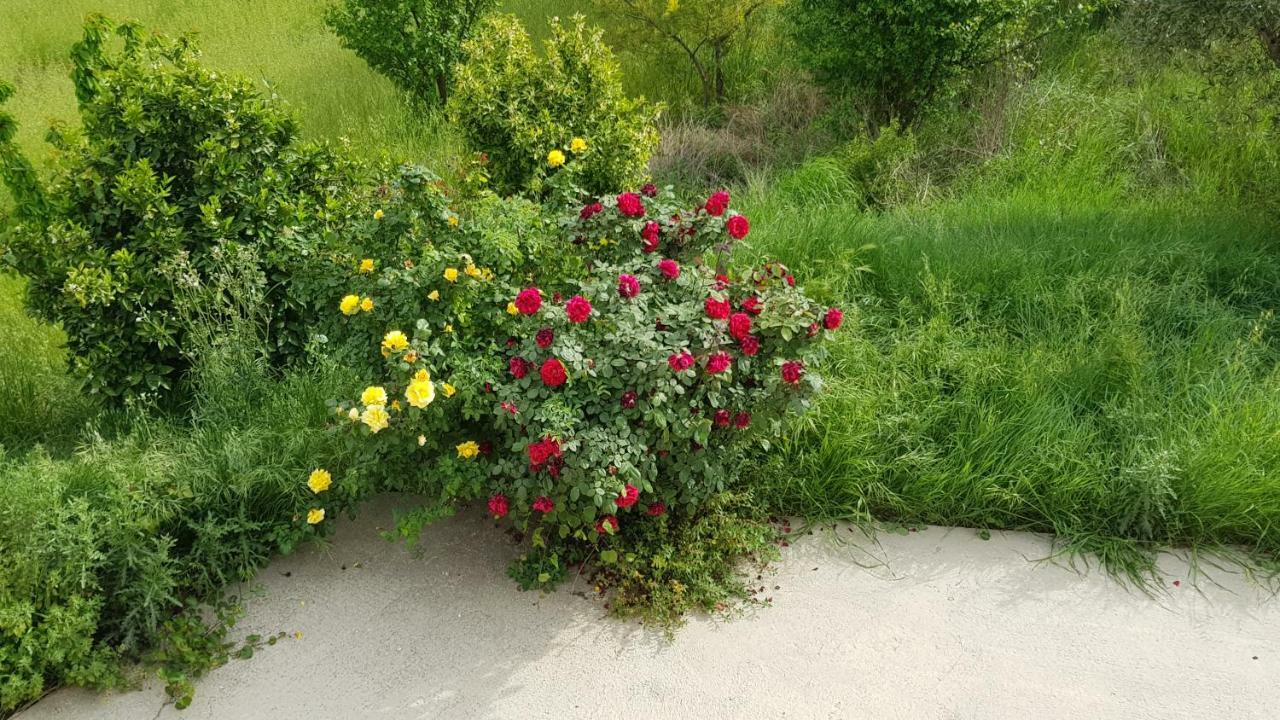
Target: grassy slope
x=1055 y=351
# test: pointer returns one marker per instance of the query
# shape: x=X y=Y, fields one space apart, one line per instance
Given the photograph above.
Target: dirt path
x=945 y=625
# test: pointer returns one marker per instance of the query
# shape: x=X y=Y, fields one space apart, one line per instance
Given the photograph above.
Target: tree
x=893 y=57
x=415 y=43
x=1197 y=23
x=697 y=28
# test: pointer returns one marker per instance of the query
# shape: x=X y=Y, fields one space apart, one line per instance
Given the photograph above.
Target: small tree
x=1196 y=23
x=415 y=43
x=697 y=28
x=895 y=56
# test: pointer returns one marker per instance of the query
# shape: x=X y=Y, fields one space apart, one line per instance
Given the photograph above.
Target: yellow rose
x=473 y=271
x=578 y=145
x=350 y=305
x=448 y=327
x=449 y=390
x=453 y=220
x=354 y=414
x=555 y=158
x=434 y=295
x=420 y=393
x=366 y=265
x=374 y=395
x=512 y=309
x=394 y=341
x=411 y=357
x=451 y=274
x=468 y=449
x=367 y=304
x=315 y=516
x=422 y=440
x=319 y=481
x=395 y=405
x=422 y=375
x=376 y=417
x=377 y=214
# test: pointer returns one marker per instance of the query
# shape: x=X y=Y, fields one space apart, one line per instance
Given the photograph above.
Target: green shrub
x=519 y=108
x=415 y=43
x=174 y=161
x=868 y=172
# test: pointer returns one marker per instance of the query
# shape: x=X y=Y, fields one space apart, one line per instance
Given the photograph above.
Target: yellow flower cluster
x=315 y=516
x=421 y=391
x=394 y=341
x=352 y=304
x=468 y=449
x=555 y=158
x=578 y=146
x=319 y=481
x=366 y=266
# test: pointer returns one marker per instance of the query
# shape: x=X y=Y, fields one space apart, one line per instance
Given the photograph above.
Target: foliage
x=415 y=43
x=524 y=110
x=174 y=162
x=1199 y=23
x=692 y=29
x=867 y=172
x=896 y=57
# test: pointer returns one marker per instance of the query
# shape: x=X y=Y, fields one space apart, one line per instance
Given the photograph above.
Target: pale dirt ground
x=934 y=624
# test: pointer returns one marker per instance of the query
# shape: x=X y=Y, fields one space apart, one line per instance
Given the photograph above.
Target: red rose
x=590 y=209
x=738 y=227
x=628 y=286
x=833 y=318
x=629 y=399
x=498 y=506
x=629 y=495
x=608 y=521
x=717 y=203
x=544 y=451
x=509 y=406
x=813 y=329
x=543 y=504
x=718 y=362
x=792 y=371
x=630 y=205
x=721 y=418
x=553 y=374
x=680 y=361
x=519 y=367
x=650 y=234
x=669 y=268
x=656 y=509
x=545 y=337
x=716 y=309
x=649 y=190
x=739 y=325
x=752 y=305
x=791 y=280
x=742 y=420
x=529 y=301
x=722 y=281
x=486 y=448
x=750 y=345
x=578 y=309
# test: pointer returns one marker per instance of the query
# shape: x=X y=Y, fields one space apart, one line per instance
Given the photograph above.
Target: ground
x=931 y=624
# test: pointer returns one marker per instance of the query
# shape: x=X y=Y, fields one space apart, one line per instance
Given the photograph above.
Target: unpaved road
x=934 y=624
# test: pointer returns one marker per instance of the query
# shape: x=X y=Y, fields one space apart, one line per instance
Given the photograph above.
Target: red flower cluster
x=553 y=374
x=498 y=506
x=519 y=367
x=630 y=494
x=721 y=418
x=833 y=318
x=716 y=308
x=792 y=371
x=545 y=337
x=750 y=345
x=739 y=325
x=650 y=234
x=680 y=361
x=717 y=203
x=670 y=269
x=718 y=362
x=738 y=227
x=578 y=309
x=589 y=210
x=629 y=399
x=649 y=190
x=628 y=286
x=742 y=420
x=529 y=301
x=752 y=305
x=545 y=454
x=656 y=509
x=509 y=406
x=630 y=205
x=608 y=521
x=543 y=504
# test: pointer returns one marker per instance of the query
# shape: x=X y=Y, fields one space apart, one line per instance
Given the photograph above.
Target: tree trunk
x=1270 y=38
x=718 y=55
x=442 y=88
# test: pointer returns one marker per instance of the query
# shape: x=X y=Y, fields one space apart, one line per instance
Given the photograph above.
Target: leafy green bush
x=415 y=43
x=174 y=161
x=895 y=57
x=525 y=111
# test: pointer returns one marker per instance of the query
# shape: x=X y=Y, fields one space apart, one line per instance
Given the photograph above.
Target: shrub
x=894 y=58
x=174 y=161
x=1198 y=23
x=415 y=43
x=530 y=114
